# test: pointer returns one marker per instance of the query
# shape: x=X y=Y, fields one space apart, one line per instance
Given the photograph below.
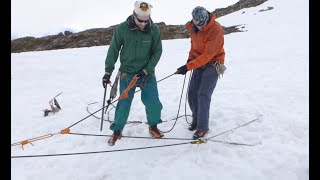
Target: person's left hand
x=141 y=74
x=182 y=70
x=189 y=60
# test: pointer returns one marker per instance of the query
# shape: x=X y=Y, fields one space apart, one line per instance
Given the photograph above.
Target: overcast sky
x=47 y=17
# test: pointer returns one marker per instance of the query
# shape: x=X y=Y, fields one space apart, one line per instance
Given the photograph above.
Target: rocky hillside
x=102 y=36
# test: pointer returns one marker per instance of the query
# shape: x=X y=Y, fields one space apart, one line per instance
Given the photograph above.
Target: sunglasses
x=140 y=20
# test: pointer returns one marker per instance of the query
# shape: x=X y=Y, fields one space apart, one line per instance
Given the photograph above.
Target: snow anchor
x=29 y=141
x=54 y=105
x=200 y=141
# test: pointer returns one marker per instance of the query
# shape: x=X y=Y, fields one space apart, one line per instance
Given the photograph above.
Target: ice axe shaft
x=55 y=97
x=104 y=100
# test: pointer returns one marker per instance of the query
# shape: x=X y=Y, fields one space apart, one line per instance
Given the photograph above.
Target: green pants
x=149 y=97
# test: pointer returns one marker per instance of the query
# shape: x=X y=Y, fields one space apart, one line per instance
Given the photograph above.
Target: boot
x=115 y=136
x=155 y=132
x=199 y=134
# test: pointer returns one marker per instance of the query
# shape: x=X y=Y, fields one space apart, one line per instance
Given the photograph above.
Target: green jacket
x=139 y=50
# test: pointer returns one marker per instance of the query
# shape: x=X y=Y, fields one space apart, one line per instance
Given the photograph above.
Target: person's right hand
x=106 y=80
x=182 y=70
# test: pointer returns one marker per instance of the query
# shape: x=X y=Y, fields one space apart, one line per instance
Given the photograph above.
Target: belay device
x=55 y=107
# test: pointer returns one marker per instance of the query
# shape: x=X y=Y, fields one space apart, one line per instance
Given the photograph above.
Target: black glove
x=182 y=70
x=106 y=80
x=141 y=74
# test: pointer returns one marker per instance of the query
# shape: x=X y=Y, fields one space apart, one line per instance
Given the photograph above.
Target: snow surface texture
x=266 y=77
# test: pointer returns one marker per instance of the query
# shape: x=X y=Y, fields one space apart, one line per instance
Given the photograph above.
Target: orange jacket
x=206 y=45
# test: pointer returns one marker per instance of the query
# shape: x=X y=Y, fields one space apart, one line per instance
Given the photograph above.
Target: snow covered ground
x=266 y=77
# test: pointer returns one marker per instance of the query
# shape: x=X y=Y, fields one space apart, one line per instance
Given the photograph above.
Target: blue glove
x=182 y=70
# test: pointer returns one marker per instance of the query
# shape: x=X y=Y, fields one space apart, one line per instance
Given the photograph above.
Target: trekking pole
x=104 y=100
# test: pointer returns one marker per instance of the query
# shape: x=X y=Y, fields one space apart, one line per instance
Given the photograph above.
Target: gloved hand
x=182 y=70
x=106 y=80
x=141 y=74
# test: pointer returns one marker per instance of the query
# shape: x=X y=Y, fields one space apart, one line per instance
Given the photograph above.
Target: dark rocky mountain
x=102 y=36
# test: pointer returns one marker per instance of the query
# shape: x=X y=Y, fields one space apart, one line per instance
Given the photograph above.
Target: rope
x=125 y=95
x=112 y=103
x=234 y=128
x=131 y=149
x=185 y=102
x=163 y=138
x=96 y=152
x=178 y=107
x=233 y=143
x=199 y=141
x=29 y=141
x=133 y=137
x=67 y=130
x=158 y=81
x=128 y=122
x=177 y=118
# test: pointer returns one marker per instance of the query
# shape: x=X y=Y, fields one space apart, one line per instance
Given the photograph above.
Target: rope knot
x=65 y=131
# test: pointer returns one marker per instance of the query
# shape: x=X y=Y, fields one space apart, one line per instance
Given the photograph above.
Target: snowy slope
x=266 y=77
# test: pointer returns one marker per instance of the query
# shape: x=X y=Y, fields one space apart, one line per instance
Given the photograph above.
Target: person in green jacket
x=138 y=40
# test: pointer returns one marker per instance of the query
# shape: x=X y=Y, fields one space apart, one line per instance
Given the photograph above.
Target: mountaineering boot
x=155 y=132
x=115 y=136
x=198 y=134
